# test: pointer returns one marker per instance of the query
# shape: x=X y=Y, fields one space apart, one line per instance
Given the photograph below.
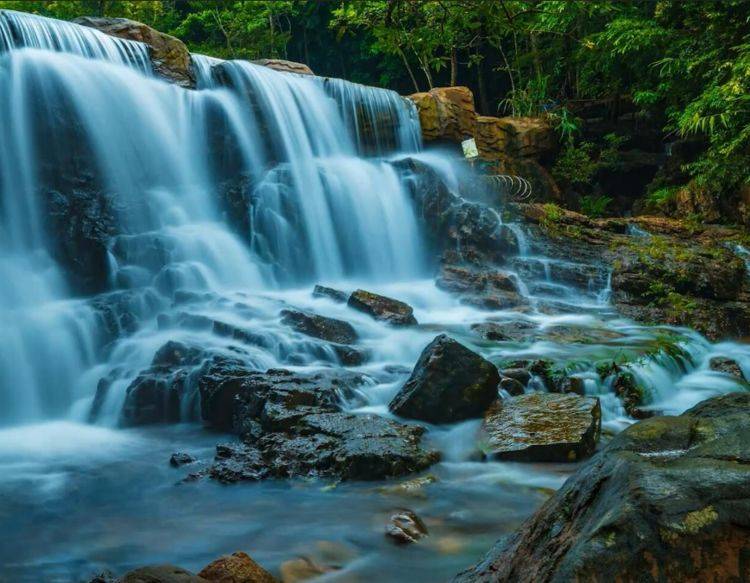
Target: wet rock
x=511 y=386
x=528 y=137
x=668 y=499
x=405 y=527
x=169 y=55
x=486 y=288
x=320 y=291
x=446 y=113
x=414 y=488
x=382 y=308
x=180 y=459
x=285 y=66
x=322 y=327
x=630 y=393
x=449 y=383
x=516 y=331
x=332 y=444
x=105 y=577
x=521 y=375
x=542 y=427
x=236 y=568
x=727 y=366
x=161 y=574
x=349 y=356
x=302 y=569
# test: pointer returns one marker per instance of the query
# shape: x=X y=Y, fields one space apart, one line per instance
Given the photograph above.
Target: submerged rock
x=382 y=308
x=321 y=291
x=322 y=327
x=727 y=366
x=161 y=574
x=406 y=527
x=542 y=427
x=236 y=568
x=449 y=383
x=668 y=499
x=180 y=459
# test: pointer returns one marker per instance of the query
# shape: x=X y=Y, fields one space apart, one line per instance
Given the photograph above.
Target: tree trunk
x=484 y=105
x=409 y=69
x=454 y=66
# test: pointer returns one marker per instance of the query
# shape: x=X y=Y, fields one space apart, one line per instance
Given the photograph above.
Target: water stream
x=81 y=112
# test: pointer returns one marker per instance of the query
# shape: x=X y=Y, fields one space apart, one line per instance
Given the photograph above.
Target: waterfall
x=155 y=161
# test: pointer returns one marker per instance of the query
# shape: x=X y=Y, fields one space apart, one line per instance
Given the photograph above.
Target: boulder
x=449 y=383
x=285 y=66
x=405 y=527
x=322 y=327
x=161 y=574
x=321 y=291
x=446 y=113
x=327 y=444
x=523 y=137
x=668 y=499
x=236 y=568
x=382 y=308
x=180 y=459
x=728 y=366
x=542 y=427
x=511 y=386
x=169 y=55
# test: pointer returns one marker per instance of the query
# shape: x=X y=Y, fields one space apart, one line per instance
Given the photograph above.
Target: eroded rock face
x=446 y=113
x=236 y=568
x=169 y=55
x=542 y=427
x=322 y=327
x=523 y=137
x=285 y=66
x=449 y=383
x=382 y=308
x=668 y=499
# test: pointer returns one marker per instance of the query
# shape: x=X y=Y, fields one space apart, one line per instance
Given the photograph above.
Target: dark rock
x=542 y=427
x=511 y=386
x=349 y=356
x=727 y=366
x=516 y=331
x=466 y=279
x=331 y=444
x=329 y=329
x=405 y=527
x=180 y=459
x=236 y=568
x=161 y=574
x=449 y=383
x=668 y=499
x=521 y=375
x=321 y=291
x=630 y=393
x=382 y=308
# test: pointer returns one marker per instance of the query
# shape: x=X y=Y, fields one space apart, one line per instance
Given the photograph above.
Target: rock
x=236 y=568
x=446 y=113
x=413 y=488
x=525 y=137
x=668 y=499
x=161 y=574
x=382 y=308
x=727 y=366
x=695 y=200
x=322 y=327
x=630 y=393
x=332 y=444
x=320 y=291
x=521 y=375
x=485 y=288
x=517 y=331
x=542 y=427
x=180 y=459
x=449 y=383
x=511 y=386
x=285 y=66
x=169 y=55
x=405 y=527
x=302 y=569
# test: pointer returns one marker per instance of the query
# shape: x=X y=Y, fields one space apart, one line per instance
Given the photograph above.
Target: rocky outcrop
x=322 y=327
x=285 y=66
x=542 y=427
x=668 y=499
x=516 y=137
x=449 y=383
x=446 y=113
x=169 y=55
x=382 y=308
x=236 y=568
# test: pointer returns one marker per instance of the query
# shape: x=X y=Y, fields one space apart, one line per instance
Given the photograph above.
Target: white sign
x=470 y=149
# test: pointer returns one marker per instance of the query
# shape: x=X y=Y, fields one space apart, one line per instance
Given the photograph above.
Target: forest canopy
x=682 y=65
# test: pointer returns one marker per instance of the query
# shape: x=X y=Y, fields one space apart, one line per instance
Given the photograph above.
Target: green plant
x=661 y=198
x=575 y=164
x=595 y=206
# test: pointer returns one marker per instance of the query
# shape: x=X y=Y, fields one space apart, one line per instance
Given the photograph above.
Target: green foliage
x=661 y=199
x=575 y=165
x=595 y=206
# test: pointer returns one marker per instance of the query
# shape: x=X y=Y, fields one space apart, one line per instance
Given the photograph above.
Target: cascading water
x=134 y=213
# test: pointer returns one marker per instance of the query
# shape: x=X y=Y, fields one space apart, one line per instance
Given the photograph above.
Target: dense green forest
x=684 y=66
